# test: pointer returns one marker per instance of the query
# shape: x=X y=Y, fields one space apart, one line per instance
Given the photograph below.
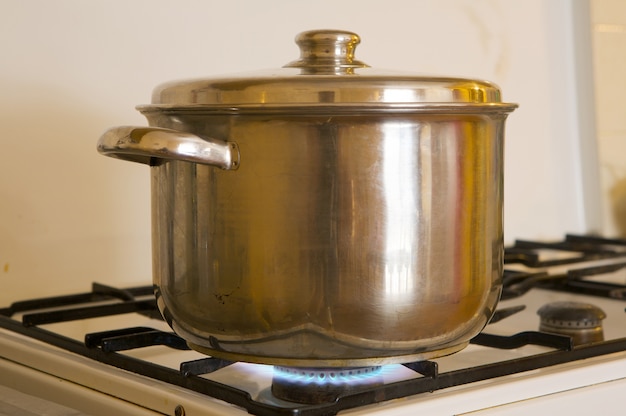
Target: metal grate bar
x=425 y=368
x=391 y=391
x=203 y=366
x=99 y=292
x=73 y=314
x=587 y=249
x=521 y=339
x=95 y=339
x=133 y=338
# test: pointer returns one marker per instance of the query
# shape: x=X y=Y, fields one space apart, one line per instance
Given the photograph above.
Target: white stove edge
x=514 y=391
x=60 y=376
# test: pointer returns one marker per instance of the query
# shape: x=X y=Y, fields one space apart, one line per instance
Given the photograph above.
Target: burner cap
x=321 y=385
x=581 y=321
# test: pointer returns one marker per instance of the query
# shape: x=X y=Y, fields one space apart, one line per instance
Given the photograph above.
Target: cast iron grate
x=107 y=347
x=581 y=248
x=576 y=278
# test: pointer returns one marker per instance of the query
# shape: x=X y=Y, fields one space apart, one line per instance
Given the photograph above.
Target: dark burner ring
x=580 y=321
x=321 y=385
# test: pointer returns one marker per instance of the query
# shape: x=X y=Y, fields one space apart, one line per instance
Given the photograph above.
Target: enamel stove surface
x=107 y=351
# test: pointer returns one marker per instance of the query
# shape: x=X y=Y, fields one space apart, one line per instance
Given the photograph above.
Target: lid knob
x=327 y=52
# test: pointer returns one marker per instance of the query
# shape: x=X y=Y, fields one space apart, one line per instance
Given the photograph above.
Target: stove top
x=579 y=283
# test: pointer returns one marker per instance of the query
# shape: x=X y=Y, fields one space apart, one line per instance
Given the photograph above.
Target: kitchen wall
x=608 y=19
x=69 y=69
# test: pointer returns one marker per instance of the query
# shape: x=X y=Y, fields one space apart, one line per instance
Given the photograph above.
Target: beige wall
x=69 y=69
x=609 y=45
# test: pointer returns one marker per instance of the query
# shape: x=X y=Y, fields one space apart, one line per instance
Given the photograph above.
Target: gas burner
x=322 y=385
x=580 y=321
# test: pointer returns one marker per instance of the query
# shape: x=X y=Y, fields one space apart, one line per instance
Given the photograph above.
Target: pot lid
x=327 y=74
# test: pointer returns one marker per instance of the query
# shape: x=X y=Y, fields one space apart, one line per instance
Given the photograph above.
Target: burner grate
x=577 y=278
x=576 y=249
x=376 y=394
x=132 y=338
x=107 y=348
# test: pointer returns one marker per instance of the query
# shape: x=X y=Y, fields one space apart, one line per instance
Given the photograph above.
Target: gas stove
x=557 y=341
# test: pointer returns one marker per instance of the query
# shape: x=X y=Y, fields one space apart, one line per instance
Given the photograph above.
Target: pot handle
x=150 y=144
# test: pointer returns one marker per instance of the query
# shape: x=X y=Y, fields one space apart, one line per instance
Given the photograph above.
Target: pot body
x=341 y=240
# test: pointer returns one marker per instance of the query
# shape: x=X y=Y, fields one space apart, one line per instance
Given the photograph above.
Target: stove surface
x=110 y=346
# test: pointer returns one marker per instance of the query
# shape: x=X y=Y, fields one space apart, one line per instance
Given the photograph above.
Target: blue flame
x=328 y=375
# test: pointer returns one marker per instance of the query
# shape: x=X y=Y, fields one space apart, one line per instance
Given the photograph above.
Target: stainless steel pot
x=356 y=218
